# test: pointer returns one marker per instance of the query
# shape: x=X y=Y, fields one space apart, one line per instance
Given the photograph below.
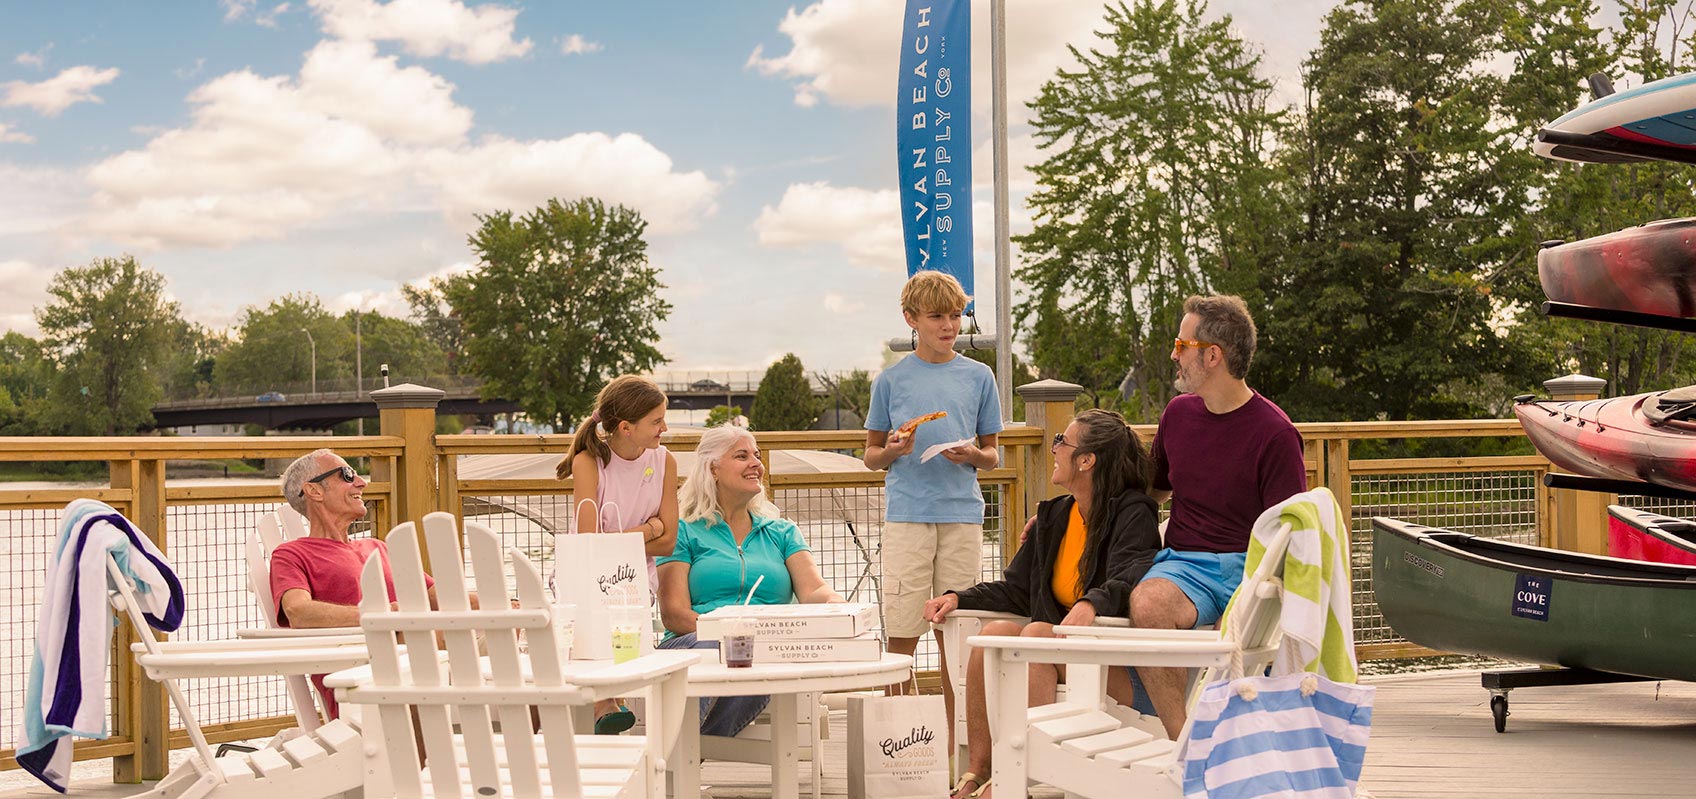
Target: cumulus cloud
x=843 y=50
x=35 y=60
x=500 y=173
x=38 y=200
x=848 y=51
x=356 y=133
x=842 y=306
x=390 y=302
x=269 y=18
x=236 y=9
x=54 y=95
x=865 y=224
x=575 y=44
x=10 y=135
x=26 y=289
x=428 y=28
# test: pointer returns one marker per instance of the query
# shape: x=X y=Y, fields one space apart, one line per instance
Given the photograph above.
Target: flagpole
x=1003 y=251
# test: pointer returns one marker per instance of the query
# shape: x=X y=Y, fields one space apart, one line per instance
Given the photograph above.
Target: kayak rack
x=1567 y=310
x=1609 y=486
x=1648 y=151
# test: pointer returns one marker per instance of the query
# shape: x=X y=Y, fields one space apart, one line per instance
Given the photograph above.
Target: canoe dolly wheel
x=1499 y=710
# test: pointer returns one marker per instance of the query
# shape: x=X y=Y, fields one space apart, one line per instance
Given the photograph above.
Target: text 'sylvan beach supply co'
x=792 y=622
x=860 y=648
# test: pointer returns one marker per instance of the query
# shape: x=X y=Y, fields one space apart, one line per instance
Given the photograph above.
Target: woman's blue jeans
x=720 y=715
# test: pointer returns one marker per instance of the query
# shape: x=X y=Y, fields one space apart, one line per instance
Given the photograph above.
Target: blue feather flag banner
x=933 y=137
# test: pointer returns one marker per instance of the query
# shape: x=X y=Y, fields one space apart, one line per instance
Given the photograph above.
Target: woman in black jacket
x=1083 y=555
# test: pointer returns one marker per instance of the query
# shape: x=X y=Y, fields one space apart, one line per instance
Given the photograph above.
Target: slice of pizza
x=913 y=424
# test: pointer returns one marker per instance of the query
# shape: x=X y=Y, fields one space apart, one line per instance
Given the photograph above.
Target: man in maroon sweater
x=1223 y=453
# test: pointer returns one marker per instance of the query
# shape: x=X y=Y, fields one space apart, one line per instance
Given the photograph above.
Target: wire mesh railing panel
x=1500 y=504
x=205 y=545
x=524 y=521
x=27 y=538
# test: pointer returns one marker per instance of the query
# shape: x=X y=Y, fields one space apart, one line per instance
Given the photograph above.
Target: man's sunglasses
x=1180 y=343
x=347 y=473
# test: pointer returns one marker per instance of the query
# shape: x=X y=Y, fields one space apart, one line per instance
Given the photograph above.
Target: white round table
x=784 y=682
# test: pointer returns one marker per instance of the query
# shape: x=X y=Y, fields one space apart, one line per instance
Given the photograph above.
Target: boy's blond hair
x=930 y=290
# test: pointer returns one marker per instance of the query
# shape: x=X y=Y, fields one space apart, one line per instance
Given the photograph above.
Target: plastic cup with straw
x=738 y=642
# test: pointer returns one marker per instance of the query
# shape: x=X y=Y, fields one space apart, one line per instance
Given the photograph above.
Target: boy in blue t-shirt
x=933 y=530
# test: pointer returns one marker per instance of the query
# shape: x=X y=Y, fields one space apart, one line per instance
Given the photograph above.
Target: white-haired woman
x=728 y=537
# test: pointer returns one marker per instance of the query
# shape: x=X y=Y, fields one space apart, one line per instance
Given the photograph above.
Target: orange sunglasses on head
x=1180 y=343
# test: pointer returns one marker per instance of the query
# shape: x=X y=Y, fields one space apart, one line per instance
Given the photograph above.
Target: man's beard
x=1182 y=383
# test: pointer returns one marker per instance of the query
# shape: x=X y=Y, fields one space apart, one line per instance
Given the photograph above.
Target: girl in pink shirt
x=617 y=460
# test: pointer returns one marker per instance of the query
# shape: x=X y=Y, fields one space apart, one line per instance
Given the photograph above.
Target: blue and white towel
x=73 y=640
x=1299 y=735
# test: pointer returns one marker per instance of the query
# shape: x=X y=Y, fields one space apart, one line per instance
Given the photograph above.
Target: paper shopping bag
x=897 y=747
x=598 y=572
x=1298 y=735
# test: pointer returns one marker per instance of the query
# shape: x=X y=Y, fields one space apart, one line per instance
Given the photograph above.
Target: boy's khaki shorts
x=922 y=560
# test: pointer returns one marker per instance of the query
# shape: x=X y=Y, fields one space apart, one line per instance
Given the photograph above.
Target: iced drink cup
x=738 y=643
x=627 y=621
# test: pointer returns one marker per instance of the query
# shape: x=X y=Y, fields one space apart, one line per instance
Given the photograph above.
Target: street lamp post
x=314 y=345
x=358 y=369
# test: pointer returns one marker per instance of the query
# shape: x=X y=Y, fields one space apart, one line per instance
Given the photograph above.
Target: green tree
x=289 y=342
x=1411 y=185
x=193 y=361
x=785 y=399
x=437 y=320
x=26 y=377
x=722 y=415
x=852 y=392
x=405 y=346
x=1153 y=183
x=108 y=327
x=563 y=300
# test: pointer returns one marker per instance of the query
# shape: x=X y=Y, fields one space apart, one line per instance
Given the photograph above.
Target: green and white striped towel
x=1317 y=620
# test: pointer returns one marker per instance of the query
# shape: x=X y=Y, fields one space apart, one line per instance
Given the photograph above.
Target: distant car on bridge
x=272 y=396
x=708 y=385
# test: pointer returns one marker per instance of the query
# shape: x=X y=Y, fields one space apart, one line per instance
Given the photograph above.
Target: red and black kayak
x=1641 y=535
x=1647 y=437
x=1649 y=269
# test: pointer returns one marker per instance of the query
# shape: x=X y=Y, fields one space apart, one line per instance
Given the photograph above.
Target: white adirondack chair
x=326 y=762
x=274 y=528
x=1077 y=746
x=495 y=752
x=957 y=629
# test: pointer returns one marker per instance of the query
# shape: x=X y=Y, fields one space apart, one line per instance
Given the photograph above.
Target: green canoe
x=1461 y=593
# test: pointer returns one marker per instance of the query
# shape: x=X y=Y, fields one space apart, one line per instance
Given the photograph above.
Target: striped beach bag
x=1298 y=735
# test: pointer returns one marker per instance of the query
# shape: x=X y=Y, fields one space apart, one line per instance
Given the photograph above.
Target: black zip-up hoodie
x=1026 y=586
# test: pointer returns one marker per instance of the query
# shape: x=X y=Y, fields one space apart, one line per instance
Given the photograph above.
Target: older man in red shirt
x=315 y=578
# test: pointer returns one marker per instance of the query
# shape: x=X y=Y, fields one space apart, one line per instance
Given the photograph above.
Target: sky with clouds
x=246 y=149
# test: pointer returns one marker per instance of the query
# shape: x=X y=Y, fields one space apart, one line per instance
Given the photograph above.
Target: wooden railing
x=415 y=471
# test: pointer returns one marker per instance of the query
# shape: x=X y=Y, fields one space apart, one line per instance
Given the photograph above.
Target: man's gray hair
x=295 y=477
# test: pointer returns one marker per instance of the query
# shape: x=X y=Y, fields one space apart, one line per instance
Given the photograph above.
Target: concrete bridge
x=298 y=407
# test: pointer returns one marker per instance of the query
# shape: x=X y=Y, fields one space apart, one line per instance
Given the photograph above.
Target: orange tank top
x=1065 y=580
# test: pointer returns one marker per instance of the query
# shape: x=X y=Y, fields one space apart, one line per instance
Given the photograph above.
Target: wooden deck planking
x=1432 y=737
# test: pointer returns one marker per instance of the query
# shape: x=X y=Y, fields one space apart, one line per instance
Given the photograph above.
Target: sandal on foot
x=615 y=722
x=980 y=782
